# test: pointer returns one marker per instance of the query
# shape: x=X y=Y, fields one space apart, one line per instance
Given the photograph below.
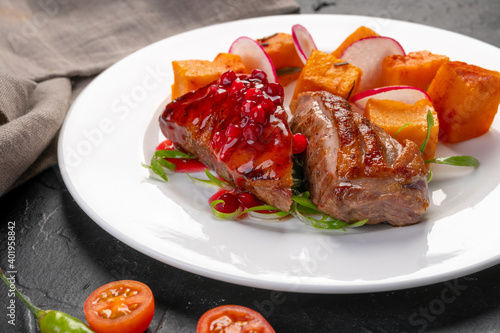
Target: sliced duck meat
x=353 y=169
x=238 y=127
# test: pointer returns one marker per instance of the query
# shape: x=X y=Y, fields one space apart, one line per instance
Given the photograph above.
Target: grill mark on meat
x=353 y=169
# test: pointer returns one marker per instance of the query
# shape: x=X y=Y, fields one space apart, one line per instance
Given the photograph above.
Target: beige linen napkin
x=45 y=45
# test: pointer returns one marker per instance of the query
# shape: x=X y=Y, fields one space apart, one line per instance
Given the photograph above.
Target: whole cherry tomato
x=120 y=307
x=233 y=319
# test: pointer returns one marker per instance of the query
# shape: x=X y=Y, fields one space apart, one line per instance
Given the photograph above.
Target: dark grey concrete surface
x=475 y=18
x=62 y=255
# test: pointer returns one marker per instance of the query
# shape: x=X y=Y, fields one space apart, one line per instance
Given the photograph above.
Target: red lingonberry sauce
x=181 y=164
x=238 y=120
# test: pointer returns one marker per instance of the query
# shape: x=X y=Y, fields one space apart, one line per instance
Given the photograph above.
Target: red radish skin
x=405 y=94
x=254 y=56
x=304 y=43
x=367 y=54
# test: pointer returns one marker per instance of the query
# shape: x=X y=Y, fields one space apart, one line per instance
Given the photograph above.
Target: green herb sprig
x=159 y=162
x=430 y=125
x=464 y=160
x=302 y=204
x=212 y=180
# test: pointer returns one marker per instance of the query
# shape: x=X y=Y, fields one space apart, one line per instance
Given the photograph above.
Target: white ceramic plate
x=112 y=127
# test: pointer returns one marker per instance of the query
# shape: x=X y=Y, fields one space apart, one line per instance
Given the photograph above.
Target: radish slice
x=254 y=56
x=304 y=44
x=367 y=54
x=405 y=94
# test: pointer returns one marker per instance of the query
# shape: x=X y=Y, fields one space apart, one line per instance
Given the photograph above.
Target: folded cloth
x=47 y=44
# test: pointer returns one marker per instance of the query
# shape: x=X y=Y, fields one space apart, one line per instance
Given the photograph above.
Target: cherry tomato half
x=123 y=306
x=233 y=318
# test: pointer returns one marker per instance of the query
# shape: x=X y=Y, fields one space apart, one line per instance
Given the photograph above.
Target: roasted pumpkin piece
x=416 y=69
x=360 y=33
x=285 y=77
x=407 y=120
x=325 y=72
x=193 y=74
x=466 y=98
x=281 y=50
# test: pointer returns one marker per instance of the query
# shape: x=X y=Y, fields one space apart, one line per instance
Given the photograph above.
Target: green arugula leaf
x=262 y=207
x=166 y=164
x=172 y=154
x=456 y=161
x=157 y=168
x=279 y=213
x=216 y=180
x=158 y=161
x=212 y=180
x=401 y=128
x=429 y=177
x=358 y=224
x=304 y=201
x=303 y=205
x=307 y=210
x=205 y=181
x=430 y=124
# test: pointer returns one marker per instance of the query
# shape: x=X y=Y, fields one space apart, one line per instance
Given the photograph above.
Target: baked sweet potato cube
x=325 y=72
x=416 y=69
x=194 y=74
x=360 y=33
x=281 y=50
x=410 y=120
x=466 y=98
x=285 y=77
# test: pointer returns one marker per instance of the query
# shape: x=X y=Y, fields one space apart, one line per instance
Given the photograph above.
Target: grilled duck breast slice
x=354 y=170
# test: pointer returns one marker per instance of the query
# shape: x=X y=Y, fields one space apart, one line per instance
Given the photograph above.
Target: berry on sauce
x=299 y=143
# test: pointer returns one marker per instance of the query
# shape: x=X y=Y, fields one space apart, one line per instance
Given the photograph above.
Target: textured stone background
x=479 y=19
